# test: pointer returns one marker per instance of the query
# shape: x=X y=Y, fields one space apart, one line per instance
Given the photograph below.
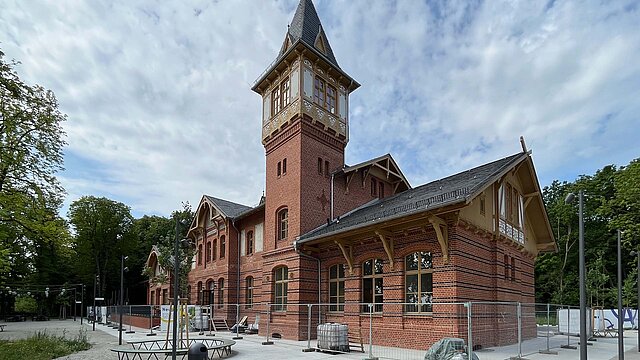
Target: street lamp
x=122 y=271
x=583 y=295
x=637 y=254
x=620 y=315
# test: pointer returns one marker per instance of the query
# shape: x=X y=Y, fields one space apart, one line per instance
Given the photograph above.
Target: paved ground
x=250 y=347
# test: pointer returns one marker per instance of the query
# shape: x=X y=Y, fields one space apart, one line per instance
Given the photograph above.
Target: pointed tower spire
x=306 y=27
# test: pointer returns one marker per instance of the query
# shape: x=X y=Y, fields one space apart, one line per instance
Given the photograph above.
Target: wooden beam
x=348 y=255
x=442 y=232
x=387 y=244
x=364 y=175
x=531 y=194
x=388 y=171
x=349 y=179
x=526 y=202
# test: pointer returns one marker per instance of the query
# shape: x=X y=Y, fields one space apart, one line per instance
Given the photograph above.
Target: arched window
x=222 y=246
x=372 y=285
x=208 y=252
x=336 y=288
x=214 y=247
x=280 y=284
x=418 y=282
x=283 y=224
x=199 y=254
x=249 y=292
x=250 y=243
x=220 y=292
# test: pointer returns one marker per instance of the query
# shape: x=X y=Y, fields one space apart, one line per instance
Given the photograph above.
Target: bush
x=27 y=305
x=43 y=346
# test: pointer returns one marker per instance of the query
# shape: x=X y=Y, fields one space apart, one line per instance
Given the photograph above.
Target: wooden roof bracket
x=347 y=253
x=387 y=244
x=349 y=179
x=442 y=232
x=364 y=176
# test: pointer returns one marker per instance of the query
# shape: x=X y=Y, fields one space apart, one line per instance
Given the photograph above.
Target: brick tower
x=305 y=128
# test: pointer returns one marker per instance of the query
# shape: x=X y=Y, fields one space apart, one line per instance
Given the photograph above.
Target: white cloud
x=159 y=100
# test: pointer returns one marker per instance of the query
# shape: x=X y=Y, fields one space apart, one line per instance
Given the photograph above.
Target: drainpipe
x=233 y=223
x=331 y=215
x=297 y=250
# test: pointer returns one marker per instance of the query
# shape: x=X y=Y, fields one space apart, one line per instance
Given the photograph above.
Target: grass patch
x=44 y=346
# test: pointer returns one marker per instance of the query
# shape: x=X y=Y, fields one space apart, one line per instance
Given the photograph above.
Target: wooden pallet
x=355 y=340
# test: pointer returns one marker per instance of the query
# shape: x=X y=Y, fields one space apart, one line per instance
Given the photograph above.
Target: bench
x=133 y=354
x=2 y=328
x=153 y=348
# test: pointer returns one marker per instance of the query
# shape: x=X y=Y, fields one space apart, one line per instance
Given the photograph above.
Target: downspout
x=297 y=250
x=331 y=215
x=233 y=223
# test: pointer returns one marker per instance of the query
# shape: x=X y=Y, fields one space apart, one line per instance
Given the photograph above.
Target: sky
x=160 y=109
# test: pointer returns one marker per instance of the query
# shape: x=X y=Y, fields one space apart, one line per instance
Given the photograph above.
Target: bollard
x=198 y=351
x=268 y=322
x=308 y=349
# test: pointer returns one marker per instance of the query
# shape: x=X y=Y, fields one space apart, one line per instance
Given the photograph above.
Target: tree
x=31 y=144
x=102 y=234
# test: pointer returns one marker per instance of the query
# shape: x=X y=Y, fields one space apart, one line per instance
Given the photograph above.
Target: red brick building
x=337 y=234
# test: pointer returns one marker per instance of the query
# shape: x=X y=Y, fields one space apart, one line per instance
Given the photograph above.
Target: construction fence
x=380 y=330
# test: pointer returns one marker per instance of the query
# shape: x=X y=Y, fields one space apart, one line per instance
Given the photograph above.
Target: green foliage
x=26 y=305
x=31 y=153
x=611 y=202
x=47 y=346
x=102 y=234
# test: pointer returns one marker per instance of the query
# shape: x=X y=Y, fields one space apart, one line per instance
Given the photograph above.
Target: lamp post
x=122 y=270
x=583 y=294
x=637 y=254
x=175 y=294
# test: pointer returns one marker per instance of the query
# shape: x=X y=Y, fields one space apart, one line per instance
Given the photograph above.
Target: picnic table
x=161 y=349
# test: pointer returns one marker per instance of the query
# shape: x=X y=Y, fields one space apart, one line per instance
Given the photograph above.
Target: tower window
x=279 y=171
x=284 y=92
x=283 y=224
x=326 y=168
x=284 y=166
x=214 y=248
x=319 y=166
x=222 y=247
x=275 y=101
x=331 y=99
x=318 y=92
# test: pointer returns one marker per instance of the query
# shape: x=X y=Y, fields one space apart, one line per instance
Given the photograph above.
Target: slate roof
x=450 y=190
x=229 y=208
x=306 y=26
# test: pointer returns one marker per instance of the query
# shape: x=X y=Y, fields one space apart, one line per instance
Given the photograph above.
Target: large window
x=283 y=224
x=208 y=252
x=280 y=97
x=222 y=247
x=199 y=254
x=325 y=95
x=336 y=288
x=280 y=284
x=275 y=101
x=250 y=243
x=511 y=210
x=372 y=285
x=214 y=247
x=199 y=295
x=418 y=282
x=248 y=300
x=284 y=93
x=220 y=292
x=211 y=285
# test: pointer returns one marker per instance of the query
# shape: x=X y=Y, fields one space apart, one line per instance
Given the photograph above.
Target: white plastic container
x=332 y=336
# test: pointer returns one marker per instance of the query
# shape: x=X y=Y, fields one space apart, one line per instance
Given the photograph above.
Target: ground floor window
x=249 y=293
x=418 y=282
x=220 y=292
x=372 y=285
x=280 y=282
x=336 y=288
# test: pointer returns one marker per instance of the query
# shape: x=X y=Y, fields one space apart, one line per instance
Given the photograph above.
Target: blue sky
x=160 y=107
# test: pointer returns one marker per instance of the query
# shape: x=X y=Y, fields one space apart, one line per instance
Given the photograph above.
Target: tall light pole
x=175 y=294
x=122 y=270
x=95 y=281
x=620 y=314
x=583 y=294
x=637 y=254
